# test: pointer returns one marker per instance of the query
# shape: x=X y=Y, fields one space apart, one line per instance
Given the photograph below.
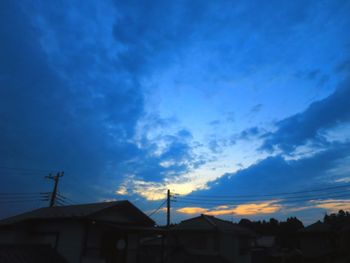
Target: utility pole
x=54 y=192
x=168 y=208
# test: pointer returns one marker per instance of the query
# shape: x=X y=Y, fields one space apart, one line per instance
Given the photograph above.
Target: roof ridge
x=209 y=220
x=86 y=204
x=78 y=210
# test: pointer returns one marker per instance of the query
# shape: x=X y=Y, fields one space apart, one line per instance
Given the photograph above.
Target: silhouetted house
x=100 y=232
x=317 y=242
x=265 y=241
x=344 y=241
x=29 y=254
x=209 y=239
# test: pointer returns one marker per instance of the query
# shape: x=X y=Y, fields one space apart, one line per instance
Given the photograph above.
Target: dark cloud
x=254 y=110
x=308 y=125
x=51 y=122
x=313 y=75
x=214 y=123
x=230 y=117
x=249 y=133
x=69 y=111
x=343 y=67
x=72 y=94
x=175 y=158
x=151 y=30
x=273 y=173
x=308 y=74
x=257 y=108
x=214 y=146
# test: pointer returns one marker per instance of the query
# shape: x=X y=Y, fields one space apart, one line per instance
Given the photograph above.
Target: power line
x=218 y=203
x=26 y=169
x=67 y=198
x=272 y=194
x=9 y=196
x=23 y=194
x=23 y=198
x=55 y=178
x=156 y=210
x=23 y=201
x=62 y=199
x=260 y=199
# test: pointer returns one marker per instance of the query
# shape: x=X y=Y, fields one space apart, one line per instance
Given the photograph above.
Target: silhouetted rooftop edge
x=74 y=212
x=212 y=223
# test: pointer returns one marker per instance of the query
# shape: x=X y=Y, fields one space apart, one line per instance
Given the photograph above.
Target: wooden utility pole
x=168 y=208
x=54 y=192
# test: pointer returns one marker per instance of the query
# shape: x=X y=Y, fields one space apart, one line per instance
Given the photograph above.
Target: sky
x=210 y=99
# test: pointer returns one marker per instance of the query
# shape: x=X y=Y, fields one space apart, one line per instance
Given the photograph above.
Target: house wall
x=266 y=241
x=344 y=242
x=65 y=237
x=244 y=249
x=76 y=242
x=70 y=241
x=92 y=245
x=315 y=245
x=133 y=247
x=7 y=236
x=232 y=248
x=69 y=238
x=229 y=247
x=199 y=241
x=101 y=240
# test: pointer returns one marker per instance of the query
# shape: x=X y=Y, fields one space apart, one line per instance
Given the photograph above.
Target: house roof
x=123 y=212
x=317 y=227
x=211 y=223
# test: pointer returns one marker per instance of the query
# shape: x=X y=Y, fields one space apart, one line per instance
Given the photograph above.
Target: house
x=209 y=239
x=89 y=233
x=344 y=241
x=317 y=242
x=29 y=254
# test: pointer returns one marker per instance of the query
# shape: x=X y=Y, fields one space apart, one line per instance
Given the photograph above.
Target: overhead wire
x=26 y=169
x=157 y=209
x=334 y=192
x=272 y=194
x=21 y=193
x=311 y=196
x=67 y=199
x=22 y=201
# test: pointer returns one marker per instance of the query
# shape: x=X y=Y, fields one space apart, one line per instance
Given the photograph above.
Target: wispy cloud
x=249 y=209
x=333 y=205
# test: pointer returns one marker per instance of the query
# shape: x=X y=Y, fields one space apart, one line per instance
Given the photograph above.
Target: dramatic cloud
x=273 y=172
x=56 y=121
x=133 y=98
x=70 y=102
x=309 y=125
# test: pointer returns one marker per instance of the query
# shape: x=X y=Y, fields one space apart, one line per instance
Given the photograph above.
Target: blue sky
x=131 y=98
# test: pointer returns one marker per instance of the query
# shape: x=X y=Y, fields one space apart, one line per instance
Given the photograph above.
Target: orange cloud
x=249 y=209
x=192 y=210
x=241 y=210
x=333 y=205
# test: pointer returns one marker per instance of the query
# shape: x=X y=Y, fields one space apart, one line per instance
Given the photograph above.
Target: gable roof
x=85 y=211
x=317 y=227
x=211 y=223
